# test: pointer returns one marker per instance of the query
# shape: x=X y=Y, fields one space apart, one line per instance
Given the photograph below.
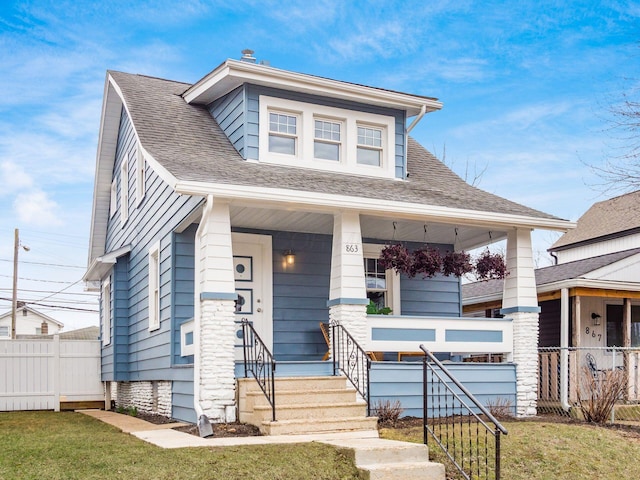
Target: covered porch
x=287 y=269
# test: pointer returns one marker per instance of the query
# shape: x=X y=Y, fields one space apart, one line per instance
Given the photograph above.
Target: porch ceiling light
x=596 y=318
x=289 y=257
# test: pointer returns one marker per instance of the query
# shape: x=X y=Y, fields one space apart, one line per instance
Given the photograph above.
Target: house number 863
x=351 y=248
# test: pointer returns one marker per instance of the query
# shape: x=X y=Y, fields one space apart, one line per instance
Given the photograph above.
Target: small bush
x=387 y=412
x=500 y=408
x=600 y=392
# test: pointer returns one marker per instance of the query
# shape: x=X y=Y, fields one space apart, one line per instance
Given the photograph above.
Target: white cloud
x=34 y=207
x=14 y=178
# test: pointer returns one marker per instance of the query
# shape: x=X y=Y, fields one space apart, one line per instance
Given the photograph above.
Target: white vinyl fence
x=39 y=374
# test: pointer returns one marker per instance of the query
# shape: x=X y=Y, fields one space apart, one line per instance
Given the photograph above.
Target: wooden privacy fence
x=42 y=374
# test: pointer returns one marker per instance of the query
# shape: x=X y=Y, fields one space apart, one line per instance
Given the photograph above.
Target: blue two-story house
x=263 y=194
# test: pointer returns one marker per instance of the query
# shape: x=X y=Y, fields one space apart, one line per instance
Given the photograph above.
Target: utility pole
x=14 y=304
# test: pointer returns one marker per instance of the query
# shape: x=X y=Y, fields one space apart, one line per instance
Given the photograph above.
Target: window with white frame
x=326 y=143
x=615 y=328
x=106 y=311
x=124 y=191
x=383 y=286
x=283 y=133
x=140 y=175
x=369 y=146
x=114 y=198
x=4 y=331
x=154 y=287
x=326 y=138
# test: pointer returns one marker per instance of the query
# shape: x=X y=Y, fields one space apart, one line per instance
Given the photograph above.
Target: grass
x=67 y=445
x=539 y=450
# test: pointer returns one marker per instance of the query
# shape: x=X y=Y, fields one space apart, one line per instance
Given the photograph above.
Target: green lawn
x=537 y=450
x=48 y=445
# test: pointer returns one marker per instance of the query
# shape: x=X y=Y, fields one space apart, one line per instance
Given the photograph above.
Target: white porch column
x=347 y=289
x=520 y=302
x=214 y=366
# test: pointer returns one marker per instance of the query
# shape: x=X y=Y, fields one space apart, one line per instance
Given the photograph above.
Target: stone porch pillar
x=520 y=302
x=347 y=289
x=214 y=365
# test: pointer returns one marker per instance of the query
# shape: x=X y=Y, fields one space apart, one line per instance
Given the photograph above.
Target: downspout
x=423 y=111
x=564 y=349
x=196 y=310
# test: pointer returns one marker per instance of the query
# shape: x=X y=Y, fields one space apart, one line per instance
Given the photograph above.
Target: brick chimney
x=44 y=328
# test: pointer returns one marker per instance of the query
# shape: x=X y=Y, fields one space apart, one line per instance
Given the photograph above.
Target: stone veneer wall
x=217 y=389
x=149 y=397
x=353 y=318
x=525 y=356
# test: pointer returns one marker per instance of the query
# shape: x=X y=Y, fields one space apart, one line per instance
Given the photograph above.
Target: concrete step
x=295 y=383
x=313 y=411
x=391 y=459
x=301 y=427
x=296 y=397
x=405 y=471
x=369 y=451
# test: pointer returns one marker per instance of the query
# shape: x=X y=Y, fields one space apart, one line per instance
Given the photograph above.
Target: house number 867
x=593 y=333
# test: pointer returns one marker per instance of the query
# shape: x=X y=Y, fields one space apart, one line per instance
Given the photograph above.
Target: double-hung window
x=383 y=286
x=124 y=191
x=154 y=287
x=106 y=311
x=326 y=144
x=283 y=133
x=369 y=146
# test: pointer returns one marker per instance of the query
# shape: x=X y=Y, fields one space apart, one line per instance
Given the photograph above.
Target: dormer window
x=369 y=146
x=326 y=145
x=324 y=137
x=283 y=133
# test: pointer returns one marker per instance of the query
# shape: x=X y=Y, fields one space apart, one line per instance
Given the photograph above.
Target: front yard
x=37 y=445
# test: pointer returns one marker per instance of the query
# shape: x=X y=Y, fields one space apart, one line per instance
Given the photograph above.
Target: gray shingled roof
x=552 y=274
x=609 y=217
x=187 y=141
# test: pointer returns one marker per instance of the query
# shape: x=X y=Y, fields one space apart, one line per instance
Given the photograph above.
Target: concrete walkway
x=163 y=436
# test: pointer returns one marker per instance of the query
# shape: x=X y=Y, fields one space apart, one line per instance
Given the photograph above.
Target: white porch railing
x=457 y=335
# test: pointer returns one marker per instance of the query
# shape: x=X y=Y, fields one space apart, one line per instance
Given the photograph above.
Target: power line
x=35 y=279
x=45 y=264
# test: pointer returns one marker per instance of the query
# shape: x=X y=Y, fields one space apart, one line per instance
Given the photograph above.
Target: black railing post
x=452 y=428
x=350 y=358
x=260 y=362
x=425 y=404
x=244 y=347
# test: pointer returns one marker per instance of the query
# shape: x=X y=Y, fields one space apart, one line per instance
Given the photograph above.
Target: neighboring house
x=592 y=295
x=28 y=322
x=267 y=195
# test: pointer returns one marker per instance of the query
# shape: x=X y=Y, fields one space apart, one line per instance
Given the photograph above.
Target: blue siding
x=183 y=288
x=253 y=92
x=230 y=113
x=107 y=357
x=147 y=356
x=488 y=382
x=182 y=395
x=120 y=323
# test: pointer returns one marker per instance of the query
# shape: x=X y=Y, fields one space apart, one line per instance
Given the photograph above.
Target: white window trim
x=154 y=287
x=370 y=250
x=124 y=191
x=186 y=328
x=113 y=205
x=141 y=180
x=106 y=311
x=340 y=142
x=350 y=120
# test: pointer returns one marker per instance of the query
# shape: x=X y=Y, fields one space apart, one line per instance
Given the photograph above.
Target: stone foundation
x=149 y=397
x=525 y=356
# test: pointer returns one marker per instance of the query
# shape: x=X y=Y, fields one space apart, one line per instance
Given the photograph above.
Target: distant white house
x=29 y=322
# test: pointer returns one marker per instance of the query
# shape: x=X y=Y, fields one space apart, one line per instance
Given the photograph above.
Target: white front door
x=252 y=267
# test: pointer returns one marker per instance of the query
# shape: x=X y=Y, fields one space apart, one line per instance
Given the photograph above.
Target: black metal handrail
x=349 y=357
x=260 y=362
x=471 y=443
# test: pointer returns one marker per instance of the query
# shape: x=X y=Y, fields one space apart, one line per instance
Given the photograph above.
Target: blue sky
x=526 y=88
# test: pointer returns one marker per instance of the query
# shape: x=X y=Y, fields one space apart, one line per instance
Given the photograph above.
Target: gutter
x=208 y=206
x=423 y=110
x=370 y=206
